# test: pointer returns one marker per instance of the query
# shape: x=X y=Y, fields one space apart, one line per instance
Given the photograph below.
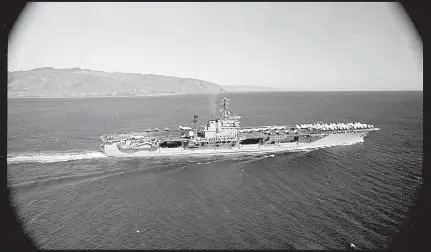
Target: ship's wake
x=51 y=157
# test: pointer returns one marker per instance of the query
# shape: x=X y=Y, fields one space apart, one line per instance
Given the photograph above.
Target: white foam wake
x=51 y=157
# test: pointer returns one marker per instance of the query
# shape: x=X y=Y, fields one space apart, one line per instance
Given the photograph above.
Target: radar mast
x=195 y=121
x=225 y=109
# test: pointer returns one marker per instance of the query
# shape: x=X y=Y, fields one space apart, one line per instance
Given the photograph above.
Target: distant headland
x=48 y=82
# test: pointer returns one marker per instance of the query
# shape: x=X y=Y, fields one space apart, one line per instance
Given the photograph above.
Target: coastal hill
x=49 y=82
x=249 y=89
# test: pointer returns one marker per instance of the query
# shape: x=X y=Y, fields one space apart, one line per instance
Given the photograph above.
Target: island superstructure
x=224 y=135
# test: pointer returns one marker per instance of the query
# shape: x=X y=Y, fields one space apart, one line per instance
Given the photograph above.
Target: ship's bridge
x=225 y=127
x=222 y=127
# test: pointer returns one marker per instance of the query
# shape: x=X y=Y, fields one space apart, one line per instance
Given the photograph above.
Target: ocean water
x=70 y=196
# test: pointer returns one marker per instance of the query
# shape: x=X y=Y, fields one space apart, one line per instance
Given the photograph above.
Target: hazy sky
x=292 y=46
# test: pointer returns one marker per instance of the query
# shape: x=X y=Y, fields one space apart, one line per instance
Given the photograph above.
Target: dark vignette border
x=413 y=235
x=13 y=238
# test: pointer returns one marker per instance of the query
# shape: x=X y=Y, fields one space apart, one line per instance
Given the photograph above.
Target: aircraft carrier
x=224 y=135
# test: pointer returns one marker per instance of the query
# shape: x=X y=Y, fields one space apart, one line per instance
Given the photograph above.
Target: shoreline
x=175 y=94
x=104 y=96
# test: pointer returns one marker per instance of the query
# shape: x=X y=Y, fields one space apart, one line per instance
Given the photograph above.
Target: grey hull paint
x=330 y=140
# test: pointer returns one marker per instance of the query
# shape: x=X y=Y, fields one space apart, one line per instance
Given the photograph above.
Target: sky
x=289 y=46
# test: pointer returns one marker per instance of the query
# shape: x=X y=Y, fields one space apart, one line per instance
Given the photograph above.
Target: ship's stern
x=102 y=148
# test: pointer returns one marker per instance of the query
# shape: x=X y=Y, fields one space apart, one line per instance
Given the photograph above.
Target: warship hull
x=326 y=140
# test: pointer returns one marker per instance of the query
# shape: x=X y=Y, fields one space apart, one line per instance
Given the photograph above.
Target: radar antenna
x=195 y=121
x=225 y=108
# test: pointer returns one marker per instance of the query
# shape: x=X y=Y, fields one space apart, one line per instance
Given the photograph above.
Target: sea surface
x=70 y=196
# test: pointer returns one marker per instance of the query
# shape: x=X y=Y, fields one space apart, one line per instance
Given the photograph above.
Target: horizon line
x=222 y=85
